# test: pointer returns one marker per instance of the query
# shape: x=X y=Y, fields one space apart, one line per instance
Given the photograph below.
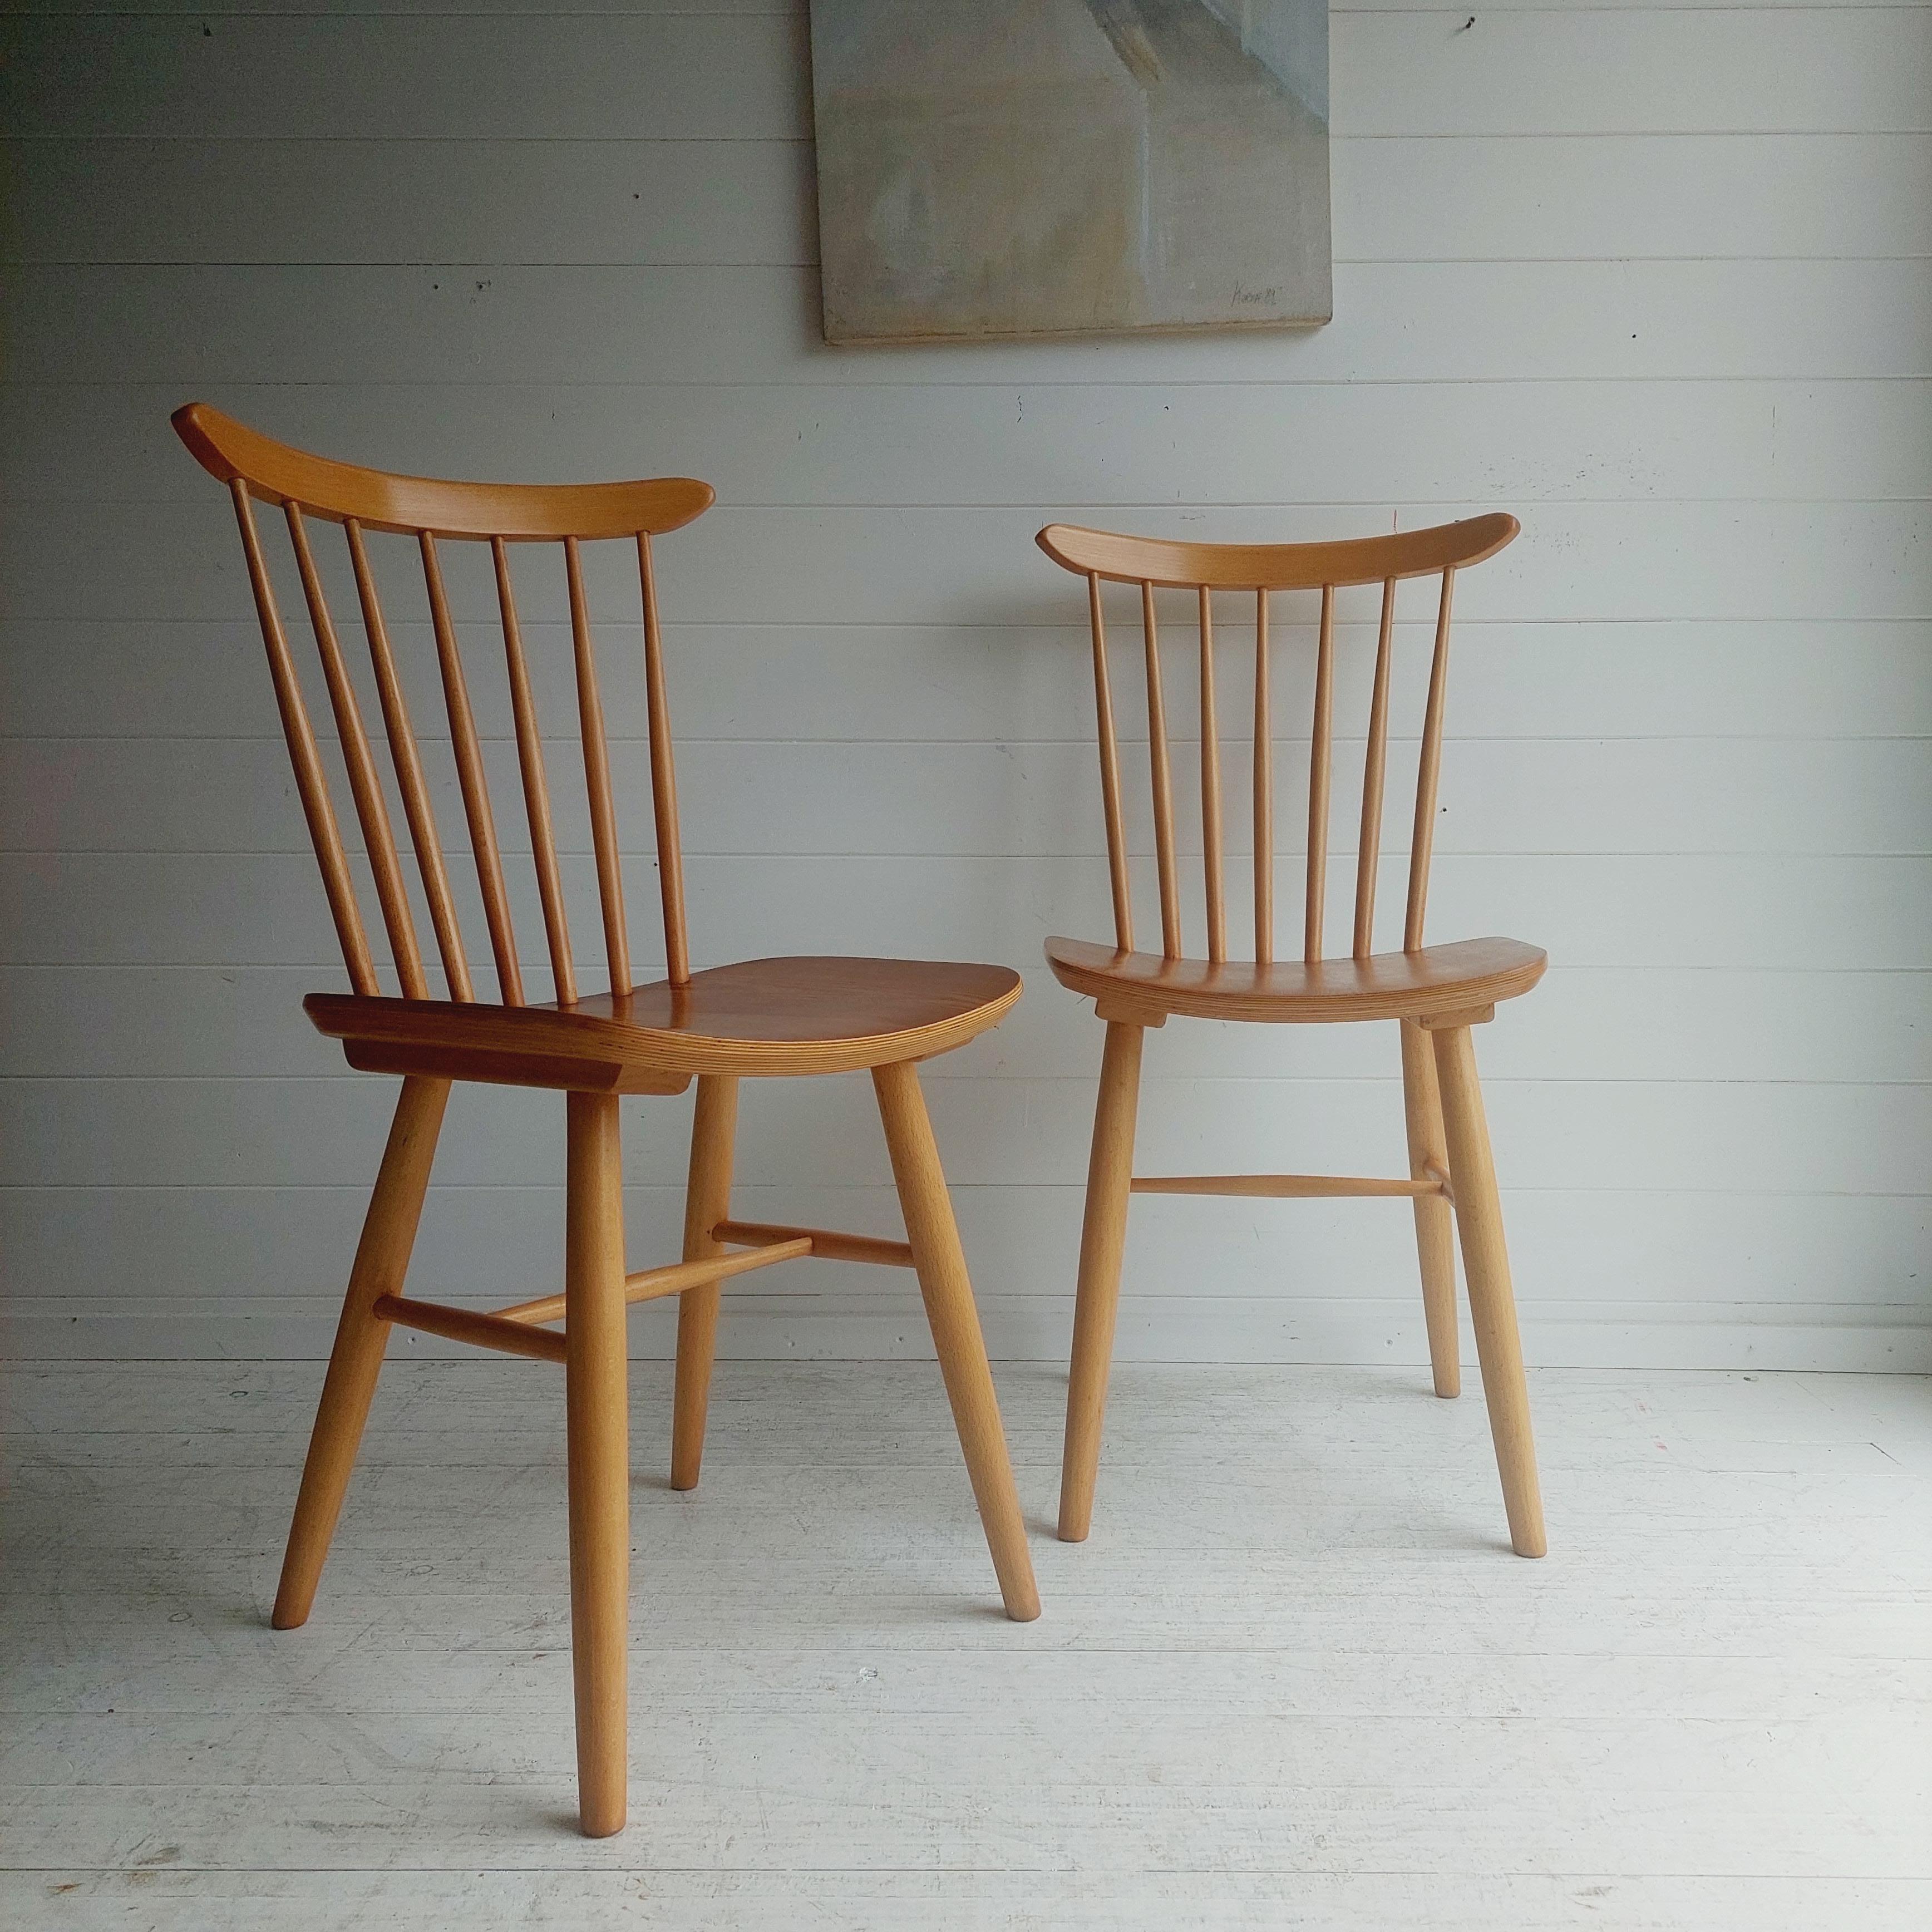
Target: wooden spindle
x=1428 y=770
x=311 y=783
x=1210 y=788
x=536 y=787
x=1263 y=790
x=475 y=784
x=365 y=783
x=664 y=777
x=597 y=777
x=1320 y=750
x=1110 y=774
x=1369 y=847
x=408 y=762
x=1163 y=783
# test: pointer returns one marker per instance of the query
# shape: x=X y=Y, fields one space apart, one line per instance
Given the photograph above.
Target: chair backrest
x=361 y=501
x=1154 y=564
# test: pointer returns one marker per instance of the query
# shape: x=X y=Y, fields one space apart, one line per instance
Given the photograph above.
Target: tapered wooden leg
x=707 y=1201
x=598 y=1414
x=1435 y=1227
x=1479 y=1220
x=1102 y=1239
x=941 y=1264
x=382 y=1259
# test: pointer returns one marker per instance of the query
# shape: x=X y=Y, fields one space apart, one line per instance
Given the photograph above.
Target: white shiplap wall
x=1656 y=278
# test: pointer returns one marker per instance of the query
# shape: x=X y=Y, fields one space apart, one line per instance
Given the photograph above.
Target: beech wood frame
x=759 y=1018
x=1437 y=993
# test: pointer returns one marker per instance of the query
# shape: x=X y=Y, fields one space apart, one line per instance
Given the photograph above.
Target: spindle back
x=1154 y=564
x=303 y=487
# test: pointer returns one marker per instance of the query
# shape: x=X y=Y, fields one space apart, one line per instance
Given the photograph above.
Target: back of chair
x=361 y=501
x=1154 y=564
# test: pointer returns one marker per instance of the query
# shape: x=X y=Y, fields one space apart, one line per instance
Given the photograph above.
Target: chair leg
x=955 y=1321
x=1102 y=1239
x=597 y=1403
x=1479 y=1221
x=1435 y=1229
x=382 y=1259
x=707 y=1201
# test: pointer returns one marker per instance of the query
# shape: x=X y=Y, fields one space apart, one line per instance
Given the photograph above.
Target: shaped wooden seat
x=1146 y=987
x=1435 y=994
x=764 y=1017
x=760 y=1016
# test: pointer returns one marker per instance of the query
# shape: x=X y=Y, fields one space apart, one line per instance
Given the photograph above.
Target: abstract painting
x=1039 y=167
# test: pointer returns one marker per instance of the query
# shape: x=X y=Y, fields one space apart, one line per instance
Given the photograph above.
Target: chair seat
x=761 y=1016
x=1464 y=977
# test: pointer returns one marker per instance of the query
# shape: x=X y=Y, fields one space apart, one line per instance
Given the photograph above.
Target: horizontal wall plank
x=1099 y=444
x=1832 y=70
x=1028 y=800
x=1583 y=1023
x=412 y=200
x=1759 y=913
x=1630 y=193
x=510 y=77
x=1010 y=1133
x=1779 y=679
x=1626 y=69
x=484 y=325
x=1500 y=198
x=1625 y=561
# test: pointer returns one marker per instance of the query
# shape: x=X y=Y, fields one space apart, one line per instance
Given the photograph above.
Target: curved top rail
x=378 y=501
x=1301 y=566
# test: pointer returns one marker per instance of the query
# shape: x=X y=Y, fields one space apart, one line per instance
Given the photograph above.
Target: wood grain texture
x=361 y=1336
x=1435 y=1232
x=761 y=1016
x=522 y=512
x=825 y=1242
x=1281 y=1187
x=597 y=1402
x=469 y=1325
x=1479 y=1225
x=944 y=1285
x=1103 y=1236
x=707 y=1205
x=1389 y=986
x=1296 y=566
x=1447 y=989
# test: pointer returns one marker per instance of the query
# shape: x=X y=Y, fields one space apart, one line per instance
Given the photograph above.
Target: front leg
x=940 y=1263
x=597 y=1398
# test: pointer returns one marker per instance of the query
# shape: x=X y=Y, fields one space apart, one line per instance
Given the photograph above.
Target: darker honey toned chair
x=1437 y=993
x=764 y=1017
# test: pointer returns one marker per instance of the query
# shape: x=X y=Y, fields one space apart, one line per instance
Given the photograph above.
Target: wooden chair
x=1437 y=993
x=764 y=1017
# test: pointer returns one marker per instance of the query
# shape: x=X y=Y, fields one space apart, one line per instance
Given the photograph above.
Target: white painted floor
x=1295 y=1679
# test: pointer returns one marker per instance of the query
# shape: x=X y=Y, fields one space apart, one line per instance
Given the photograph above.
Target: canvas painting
x=1038 y=167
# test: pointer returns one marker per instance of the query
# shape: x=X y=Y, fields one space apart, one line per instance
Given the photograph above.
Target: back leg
x=381 y=1260
x=707 y=1201
x=1435 y=1228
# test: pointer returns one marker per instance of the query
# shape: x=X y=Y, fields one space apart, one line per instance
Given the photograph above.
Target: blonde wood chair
x=1437 y=993
x=764 y=1017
